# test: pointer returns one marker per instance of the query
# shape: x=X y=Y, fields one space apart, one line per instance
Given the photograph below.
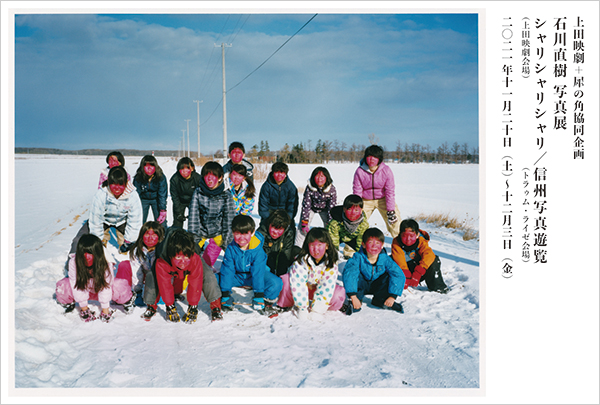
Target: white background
x=540 y=328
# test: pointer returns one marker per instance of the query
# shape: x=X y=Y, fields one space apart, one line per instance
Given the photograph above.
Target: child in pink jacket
x=374 y=182
x=91 y=278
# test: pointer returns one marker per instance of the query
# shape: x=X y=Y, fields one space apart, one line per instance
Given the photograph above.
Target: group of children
x=287 y=268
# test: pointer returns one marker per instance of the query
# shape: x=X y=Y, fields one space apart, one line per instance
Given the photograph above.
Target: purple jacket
x=318 y=200
x=373 y=186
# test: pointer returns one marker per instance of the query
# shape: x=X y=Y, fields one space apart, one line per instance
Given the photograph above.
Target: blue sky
x=116 y=81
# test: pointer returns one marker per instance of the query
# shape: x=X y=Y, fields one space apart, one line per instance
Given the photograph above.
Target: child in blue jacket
x=245 y=263
x=369 y=271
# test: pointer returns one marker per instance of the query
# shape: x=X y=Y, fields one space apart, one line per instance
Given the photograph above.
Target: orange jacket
x=421 y=253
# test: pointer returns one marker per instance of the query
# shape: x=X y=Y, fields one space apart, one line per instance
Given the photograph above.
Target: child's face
x=372 y=161
x=212 y=181
x=242 y=239
x=317 y=250
x=113 y=161
x=409 y=237
x=150 y=238
x=373 y=246
x=149 y=169
x=181 y=261
x=279 y=177
x=117 y=189
x=320 y=179
x=236 y=178
x=185 y=172
x=353 y=213
x=89 y=259
x=275 y=232
x=236 y=155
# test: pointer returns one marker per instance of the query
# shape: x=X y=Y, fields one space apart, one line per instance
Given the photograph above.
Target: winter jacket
x=273 y=196
x=154 y=190
x=338 y=232
x=249 y=167
x=182 y=191
x=280 y=251
x=243 y=204
x=164 y=271
x=112 y=211
x=252 y=261
x=373 y=186
x=305 y=274
x=420 y=252
x=211 y=214
x=104 y=176
x=359 y=264
x=82 y=296
x=318 y=200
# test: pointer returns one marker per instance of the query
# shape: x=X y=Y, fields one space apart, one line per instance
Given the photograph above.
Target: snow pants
x=273 y=284
x=121 y=287
x=378 y=287
x=210 y=286
x=300 y=235
x=370 y=205
x=433 y=275
x=146 y=205
x=286 y=299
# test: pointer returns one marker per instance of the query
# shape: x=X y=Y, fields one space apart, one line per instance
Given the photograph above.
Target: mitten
x=192 y=314
x=125 y=247
x=258 y=303
x=418 y=272
x=392 y=218
x=172 y=314
x=87 y=315
x=162 y=217
x=412 y=282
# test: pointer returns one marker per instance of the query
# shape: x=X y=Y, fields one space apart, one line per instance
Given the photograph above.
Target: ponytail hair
x=241 y=169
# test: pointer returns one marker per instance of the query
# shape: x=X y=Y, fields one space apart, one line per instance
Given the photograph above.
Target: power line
x=277 y=50
x=259 y=66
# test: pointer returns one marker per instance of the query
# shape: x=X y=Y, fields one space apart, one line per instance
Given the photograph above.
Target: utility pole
x=223 y=45
x=198 y=102
x=183 y=141
x=188 y=134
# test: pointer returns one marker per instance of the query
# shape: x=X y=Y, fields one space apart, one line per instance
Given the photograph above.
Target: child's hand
x=162 y=217
x=356 y=302
x=389 y=302
x=392 y=218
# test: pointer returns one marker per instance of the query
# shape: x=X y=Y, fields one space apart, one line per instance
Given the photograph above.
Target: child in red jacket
x=411 y=251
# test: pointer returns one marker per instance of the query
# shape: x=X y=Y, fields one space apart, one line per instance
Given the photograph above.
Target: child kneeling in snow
x=347 y=225
x=311 y=283
x=245 y=264
x=370 y=271
x=411 y=251
x=91 y=278
x=176 y=260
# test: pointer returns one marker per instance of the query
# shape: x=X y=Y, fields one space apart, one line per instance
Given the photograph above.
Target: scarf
x=351 y=226
x=207 y=191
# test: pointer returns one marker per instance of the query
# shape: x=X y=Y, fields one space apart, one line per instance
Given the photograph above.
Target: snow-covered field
x=434 y=344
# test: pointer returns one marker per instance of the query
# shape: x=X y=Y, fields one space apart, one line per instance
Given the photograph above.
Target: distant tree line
x=306 y=152
x=336 y=151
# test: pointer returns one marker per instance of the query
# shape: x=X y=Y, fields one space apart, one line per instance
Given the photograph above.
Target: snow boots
x=172 y=314
x=67 y=307
x=150 y=312
x=216 y=314
x=130 y=304
x=191 y=315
